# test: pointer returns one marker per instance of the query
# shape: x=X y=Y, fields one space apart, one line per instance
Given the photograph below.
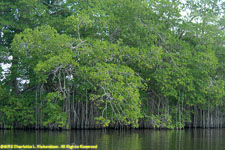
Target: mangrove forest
x=90 y=64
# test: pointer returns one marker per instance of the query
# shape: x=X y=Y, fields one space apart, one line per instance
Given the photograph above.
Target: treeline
x=112 y=63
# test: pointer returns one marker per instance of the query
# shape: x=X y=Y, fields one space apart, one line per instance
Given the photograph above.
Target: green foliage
x=131 y=59
x=18 y=110
x=53 y=115
x=118 y=95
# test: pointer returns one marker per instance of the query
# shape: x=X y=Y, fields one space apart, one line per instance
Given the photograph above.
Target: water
x=189 y=139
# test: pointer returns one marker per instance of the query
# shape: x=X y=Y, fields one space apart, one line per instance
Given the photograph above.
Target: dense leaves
x=111 y=63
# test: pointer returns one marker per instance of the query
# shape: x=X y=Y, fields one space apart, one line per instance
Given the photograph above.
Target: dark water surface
x=189 y=139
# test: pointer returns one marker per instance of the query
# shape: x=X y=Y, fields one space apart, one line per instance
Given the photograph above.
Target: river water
x=188 y=139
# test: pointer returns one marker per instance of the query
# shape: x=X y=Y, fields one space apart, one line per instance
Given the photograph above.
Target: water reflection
x=189 y=139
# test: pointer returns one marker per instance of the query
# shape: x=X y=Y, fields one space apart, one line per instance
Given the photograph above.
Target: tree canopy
x=112 y=63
